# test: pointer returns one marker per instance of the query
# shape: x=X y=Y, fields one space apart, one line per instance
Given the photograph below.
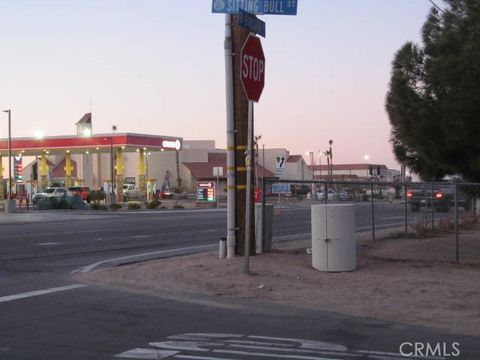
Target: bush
x=154 y=204
x=115 y=206
x=134 y=205
x=97 y=206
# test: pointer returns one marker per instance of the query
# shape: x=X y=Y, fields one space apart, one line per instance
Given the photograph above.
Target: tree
x=434 y=97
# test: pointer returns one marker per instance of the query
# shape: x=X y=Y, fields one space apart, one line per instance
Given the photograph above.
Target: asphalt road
x=47 y=315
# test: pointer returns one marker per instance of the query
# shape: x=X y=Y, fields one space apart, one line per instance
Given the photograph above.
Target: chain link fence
x=417 y=221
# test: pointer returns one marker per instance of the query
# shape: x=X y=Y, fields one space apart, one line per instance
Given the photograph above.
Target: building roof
x=58 y=170
x=202 y=170
x=86 y=119
x=294 y=158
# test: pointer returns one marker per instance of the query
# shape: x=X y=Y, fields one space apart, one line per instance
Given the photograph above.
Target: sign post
x=252 y=74
x=217 y=171
x=235 y=104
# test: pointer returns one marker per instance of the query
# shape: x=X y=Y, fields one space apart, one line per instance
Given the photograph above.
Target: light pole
x=330 y=153
x=366 y=158
x=9 y=112
x=112 y=194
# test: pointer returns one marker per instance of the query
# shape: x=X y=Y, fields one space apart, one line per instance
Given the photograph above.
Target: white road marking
x=49 y=243
x=307 y=344
x=140 y=353
x=267 y=355
x=184 y=345
x=397 y=355
x=91 y=267
x=39 y=292
x=276 y=347
x=200 y=357
x=141 y=236
x=206 y=346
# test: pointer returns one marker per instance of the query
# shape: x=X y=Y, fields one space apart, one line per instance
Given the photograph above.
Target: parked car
x=50 y=192
x=130 y=192
x=296 y=189
x=80 y=191
x=442 y=198
x=344 y=195
x=331 y=194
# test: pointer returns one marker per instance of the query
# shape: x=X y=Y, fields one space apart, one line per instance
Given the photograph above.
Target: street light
x=112 y=194
x=330 y=153
x=9 y=112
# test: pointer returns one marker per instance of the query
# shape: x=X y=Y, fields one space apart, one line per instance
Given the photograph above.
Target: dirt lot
x=385 y=287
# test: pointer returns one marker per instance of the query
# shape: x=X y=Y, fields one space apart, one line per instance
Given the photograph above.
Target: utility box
x=333 y=237
x=263 y=245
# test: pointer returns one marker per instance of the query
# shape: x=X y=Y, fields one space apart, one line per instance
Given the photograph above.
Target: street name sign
x=251 y=22
x=280 y=7
x=234 y=6
x=258 y=7
x=252 y=69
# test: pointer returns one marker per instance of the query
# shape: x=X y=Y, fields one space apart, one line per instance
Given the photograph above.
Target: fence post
x=457 y=245
x=406 y=208
x=373 y=212
x=432 y=209
x=264 y=205
x=325 y=195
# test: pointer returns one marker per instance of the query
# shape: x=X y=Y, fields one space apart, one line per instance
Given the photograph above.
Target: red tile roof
x=204 y=170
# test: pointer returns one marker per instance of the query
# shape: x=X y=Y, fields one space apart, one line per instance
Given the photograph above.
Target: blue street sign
x=234 y=6
x=280 y=7
x=251 y=22
x=258 y=7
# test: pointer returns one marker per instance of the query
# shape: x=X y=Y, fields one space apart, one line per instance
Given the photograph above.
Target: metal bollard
x=222 y=248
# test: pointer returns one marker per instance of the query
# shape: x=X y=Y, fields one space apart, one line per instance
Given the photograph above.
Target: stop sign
x=252 y=69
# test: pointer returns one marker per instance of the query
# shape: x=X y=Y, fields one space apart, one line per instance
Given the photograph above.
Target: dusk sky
x=157 y=67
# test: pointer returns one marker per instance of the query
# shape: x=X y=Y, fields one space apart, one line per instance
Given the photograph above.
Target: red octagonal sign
x=252 y=69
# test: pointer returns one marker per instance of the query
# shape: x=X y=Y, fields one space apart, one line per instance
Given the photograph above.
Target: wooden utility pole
x=241 y=136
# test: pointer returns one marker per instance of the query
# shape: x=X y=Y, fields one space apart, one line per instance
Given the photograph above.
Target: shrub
x=134 y=205
x=115 y=206
x=97 y=206
x=421 y=227
x=153 y=204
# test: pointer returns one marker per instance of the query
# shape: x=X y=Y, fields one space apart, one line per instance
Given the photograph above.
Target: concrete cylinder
x=10 y=205
x=333 y=237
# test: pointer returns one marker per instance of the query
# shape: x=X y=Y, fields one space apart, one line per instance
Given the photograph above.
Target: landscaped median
x=429 y=293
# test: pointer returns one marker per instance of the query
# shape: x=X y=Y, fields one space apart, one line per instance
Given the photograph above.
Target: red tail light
x=438 y=195
x=409 y=194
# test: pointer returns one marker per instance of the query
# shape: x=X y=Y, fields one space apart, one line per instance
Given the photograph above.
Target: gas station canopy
x=100 y=143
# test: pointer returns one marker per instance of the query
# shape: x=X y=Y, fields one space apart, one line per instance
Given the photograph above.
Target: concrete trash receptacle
x=333 y=237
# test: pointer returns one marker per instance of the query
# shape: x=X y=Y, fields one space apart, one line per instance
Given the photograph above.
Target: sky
x=157 y=67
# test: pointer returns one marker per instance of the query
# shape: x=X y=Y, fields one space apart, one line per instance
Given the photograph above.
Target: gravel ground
x=422 y=292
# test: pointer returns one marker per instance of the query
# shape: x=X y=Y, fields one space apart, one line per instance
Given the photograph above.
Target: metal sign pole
x=248 y=163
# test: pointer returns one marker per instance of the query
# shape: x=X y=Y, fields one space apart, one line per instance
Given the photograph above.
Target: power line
x=436 y=6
